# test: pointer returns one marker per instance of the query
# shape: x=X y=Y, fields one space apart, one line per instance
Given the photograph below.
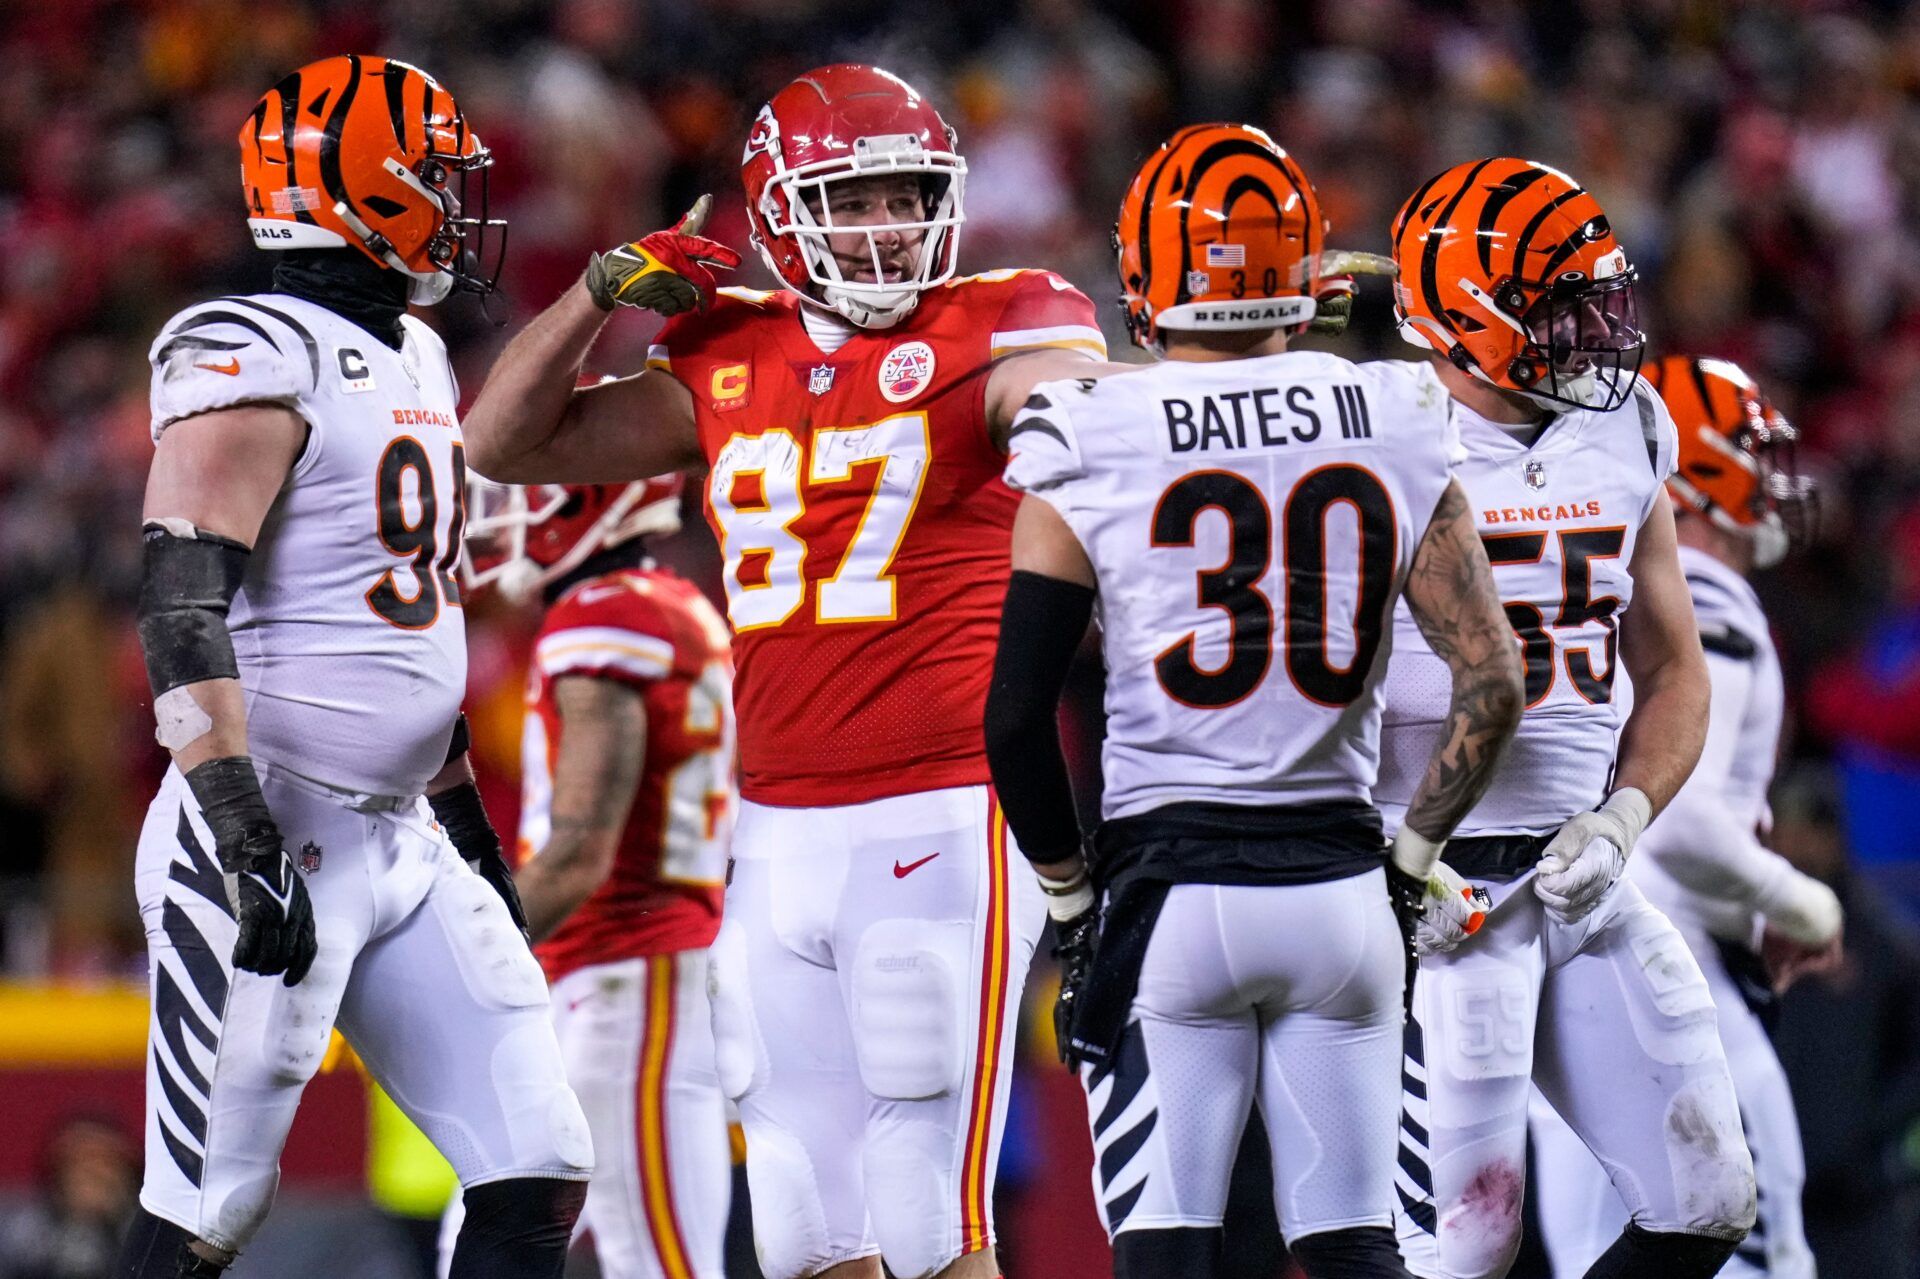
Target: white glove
x=1453 y=911
x=1587 y=855
x=1803 y=908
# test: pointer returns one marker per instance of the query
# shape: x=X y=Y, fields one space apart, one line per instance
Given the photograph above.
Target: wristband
x=1067 y=899
x=1414 y=854
x=228 y=793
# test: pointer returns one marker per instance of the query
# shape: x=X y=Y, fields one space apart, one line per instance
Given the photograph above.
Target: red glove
x=664 y=272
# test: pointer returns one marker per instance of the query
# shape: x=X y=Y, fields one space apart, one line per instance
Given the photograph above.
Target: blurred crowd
x=1760 y=160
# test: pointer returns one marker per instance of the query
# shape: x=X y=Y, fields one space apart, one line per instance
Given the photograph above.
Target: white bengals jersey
x=1560 y=520
x=1725 y=798
x=1251 y=523
x=347 y=629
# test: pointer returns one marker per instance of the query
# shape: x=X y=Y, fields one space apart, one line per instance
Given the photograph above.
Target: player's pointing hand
x=666 y=272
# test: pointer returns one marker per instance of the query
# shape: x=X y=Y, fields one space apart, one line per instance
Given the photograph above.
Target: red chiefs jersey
x=858 y=504
x=653 y=631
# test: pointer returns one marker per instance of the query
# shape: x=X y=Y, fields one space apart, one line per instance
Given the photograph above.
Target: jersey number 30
x=1234 y=586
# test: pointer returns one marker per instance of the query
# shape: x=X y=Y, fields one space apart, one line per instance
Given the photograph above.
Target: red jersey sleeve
x=608 y=629
x=1042 y=310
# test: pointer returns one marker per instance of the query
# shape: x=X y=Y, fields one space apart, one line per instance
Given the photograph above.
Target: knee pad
x=1671 y=1255
x=908 y=978
x=156 y=1249
x=1155 y=1254
x=1362 y=1252
x=545 y=1124
x=739 y=1053
x=789 y=1221
x=517 y=1229
x=912 y=1197
x=1479 y=1234
x=1712 y=1169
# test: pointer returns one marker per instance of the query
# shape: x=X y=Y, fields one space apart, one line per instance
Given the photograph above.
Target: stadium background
x=1760 y=160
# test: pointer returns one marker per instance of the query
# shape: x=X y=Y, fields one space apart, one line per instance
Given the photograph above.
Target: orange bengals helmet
x=1510 y=270
x=360 y=151
x=1736 y=460
x=1220 y=229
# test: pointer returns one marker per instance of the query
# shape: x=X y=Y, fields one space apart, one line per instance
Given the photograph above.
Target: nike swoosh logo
x=901 y=872
x=231 y=368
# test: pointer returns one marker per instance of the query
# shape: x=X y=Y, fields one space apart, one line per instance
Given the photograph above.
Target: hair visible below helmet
x=521 y=538
x=1220 y=229
x=831 y=124
x=1736 y=462
x=1510 y=270
x=360 y=152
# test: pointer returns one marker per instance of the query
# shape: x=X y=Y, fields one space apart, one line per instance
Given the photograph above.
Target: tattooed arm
x=603 y=743
x=1450 y=590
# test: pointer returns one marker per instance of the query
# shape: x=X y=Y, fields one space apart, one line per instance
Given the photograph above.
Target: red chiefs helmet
x=521 y=538
x=851 y=121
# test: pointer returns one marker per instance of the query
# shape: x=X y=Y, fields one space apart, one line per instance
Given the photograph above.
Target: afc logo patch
x=906 y=371
x=731 y=387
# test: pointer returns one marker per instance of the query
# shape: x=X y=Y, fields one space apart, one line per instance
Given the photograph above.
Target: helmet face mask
x=842 y=123
x=1584 y=340
x=521 y=538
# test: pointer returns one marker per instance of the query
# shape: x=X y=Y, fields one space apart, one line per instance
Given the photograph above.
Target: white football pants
x=637 y=1037
x=866 y=988
x=1285 y=995
x=420 y=964
x=1611 y=1018
x=1580 y=1212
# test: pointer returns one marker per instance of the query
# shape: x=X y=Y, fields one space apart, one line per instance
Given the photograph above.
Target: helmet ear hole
x=383 y=206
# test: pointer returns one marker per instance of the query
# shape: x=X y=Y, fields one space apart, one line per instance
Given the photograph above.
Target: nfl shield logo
x=1199 y=282
x=1536 y=475
x=820 y=379
x=309 y=857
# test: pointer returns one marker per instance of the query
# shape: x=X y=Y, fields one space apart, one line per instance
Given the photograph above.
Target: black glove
x=272 y=908
x=1409 y=898
x=465 y=819
x=1073 y=945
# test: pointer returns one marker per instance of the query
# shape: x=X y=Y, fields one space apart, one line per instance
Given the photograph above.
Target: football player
x=1511 y=276
x=1245 y=516
x=851 y=427
x=304 y=639
x=1751 y=919
x=627 y=805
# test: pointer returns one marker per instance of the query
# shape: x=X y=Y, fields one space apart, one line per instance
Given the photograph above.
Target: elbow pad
x=188 y=580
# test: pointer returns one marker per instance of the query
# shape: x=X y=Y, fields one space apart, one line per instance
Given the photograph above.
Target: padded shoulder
x=229 y=352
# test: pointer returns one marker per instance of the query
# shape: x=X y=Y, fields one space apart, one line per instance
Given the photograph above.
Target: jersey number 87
x=755 y=497
x=1234 y=586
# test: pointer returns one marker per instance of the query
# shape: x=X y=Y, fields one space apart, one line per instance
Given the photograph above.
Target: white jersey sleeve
x=1701 y=860
x=1660 y=435
x=1250 y=524
x=222 y=354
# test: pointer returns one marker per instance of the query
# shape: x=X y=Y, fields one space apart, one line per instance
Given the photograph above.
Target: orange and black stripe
x=976 y=1175
x=651 y=1116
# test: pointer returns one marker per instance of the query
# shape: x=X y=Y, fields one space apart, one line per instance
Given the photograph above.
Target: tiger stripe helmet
x=1220 y=229
x=358 y=151
x=1510 y=270
x=1736 y=461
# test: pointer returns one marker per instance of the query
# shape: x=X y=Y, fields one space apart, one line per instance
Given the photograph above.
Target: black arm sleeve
x=460 y=811
x=1040 y=630
x=186 y=586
